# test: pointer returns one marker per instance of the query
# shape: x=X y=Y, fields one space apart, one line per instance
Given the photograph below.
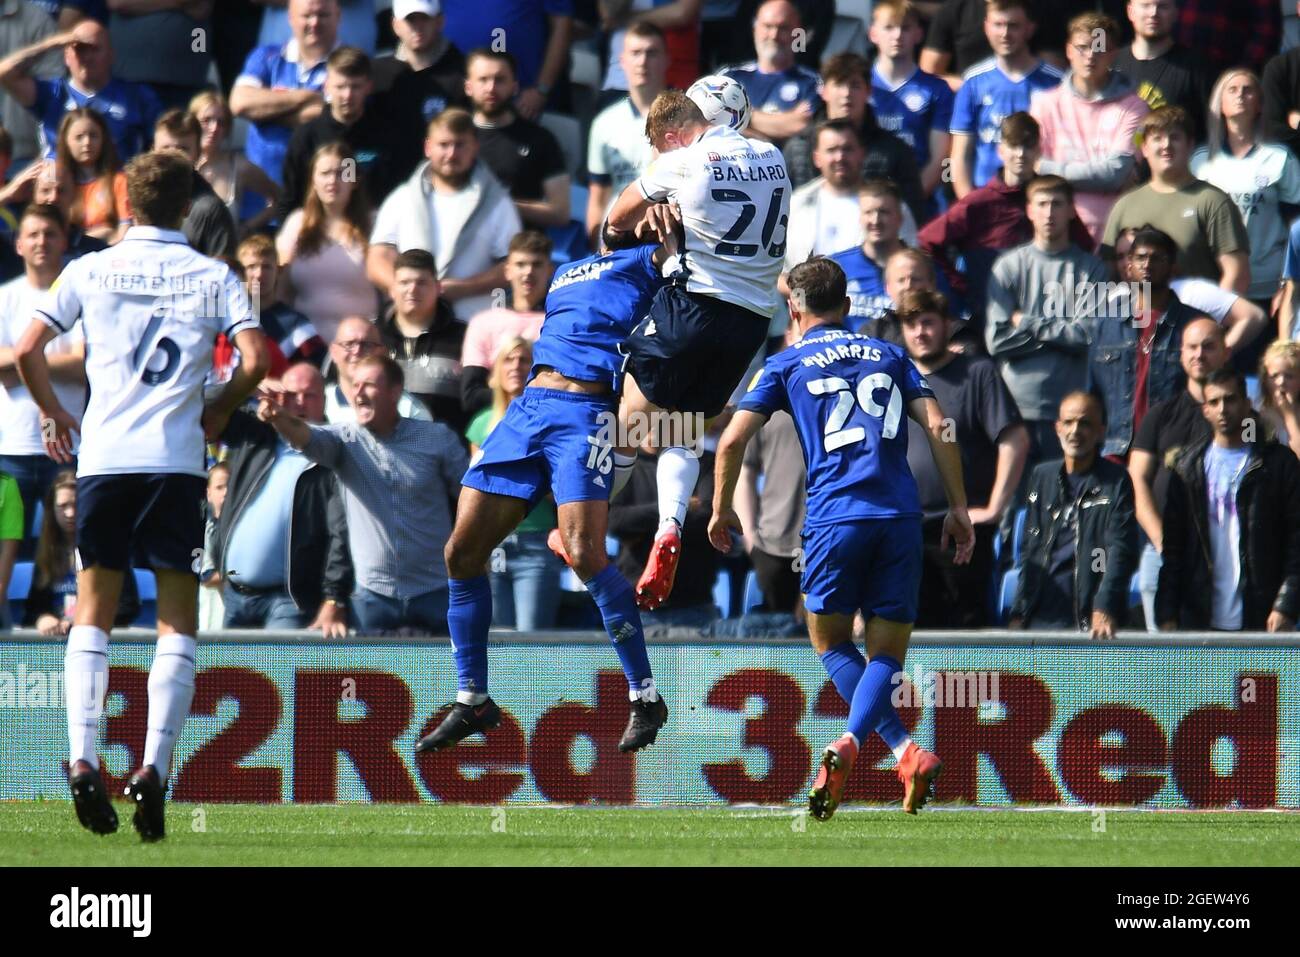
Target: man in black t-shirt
x=522 y=154
x=994 y=443
x=1170 y=426
x=1166 y=73
x=418 y=80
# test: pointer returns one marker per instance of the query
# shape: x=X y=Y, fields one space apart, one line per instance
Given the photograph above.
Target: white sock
x=676 y=474
x=623 y=466
x=902 y=748
x=471 y=698
x=171 y=689
x=647 y=691
x=85 y=684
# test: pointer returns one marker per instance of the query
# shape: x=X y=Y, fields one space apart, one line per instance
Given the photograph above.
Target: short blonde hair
x=671 y=110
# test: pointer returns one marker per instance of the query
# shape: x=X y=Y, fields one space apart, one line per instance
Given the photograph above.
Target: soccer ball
x=722 y=100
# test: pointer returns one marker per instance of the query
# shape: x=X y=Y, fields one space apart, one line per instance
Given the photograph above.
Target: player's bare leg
x=86 y=685
x=917 y=768
x=582 y=526
x=482 y=521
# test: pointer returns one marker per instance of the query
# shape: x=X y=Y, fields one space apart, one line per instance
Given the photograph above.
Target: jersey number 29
x=835 y=436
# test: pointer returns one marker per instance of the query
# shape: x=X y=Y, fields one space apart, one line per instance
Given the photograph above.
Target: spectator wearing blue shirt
x=881 y=205
x=992 y=90
x=537 y=33
x=280 y=87
x=129 y=108
x=913 y=105
x=782 y=93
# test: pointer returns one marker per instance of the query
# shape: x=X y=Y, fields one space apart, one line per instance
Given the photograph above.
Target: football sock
x=469 y=616
x=623 y=466
x=845 y=664
x=171 y=689
x=676 y=474
x=85 y=683
x=901 y=749
x=613 y=596
x=871 y=705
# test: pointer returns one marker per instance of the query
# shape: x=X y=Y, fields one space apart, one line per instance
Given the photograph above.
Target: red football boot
x=917 y=770
x=656 y=582
x=828 y=788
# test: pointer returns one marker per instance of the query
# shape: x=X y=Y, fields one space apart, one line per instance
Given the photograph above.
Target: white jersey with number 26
x=151 y=309
x=734 y=197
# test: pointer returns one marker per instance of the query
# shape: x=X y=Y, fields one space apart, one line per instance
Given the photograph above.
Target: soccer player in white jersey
x=703 y=329
x=151 y=309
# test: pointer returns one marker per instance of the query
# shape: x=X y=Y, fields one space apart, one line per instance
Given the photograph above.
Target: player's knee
x=586 y=557
x=463 y=558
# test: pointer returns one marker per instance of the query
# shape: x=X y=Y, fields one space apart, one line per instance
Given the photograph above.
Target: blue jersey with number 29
x=848 y=396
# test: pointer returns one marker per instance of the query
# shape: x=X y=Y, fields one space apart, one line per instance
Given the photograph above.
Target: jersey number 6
x=169 y=349
x=835 y=435
x=729 y=247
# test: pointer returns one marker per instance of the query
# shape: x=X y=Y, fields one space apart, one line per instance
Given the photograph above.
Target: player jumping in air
x=556 y=437
x=690 y=352
x=151 y=309
x=848 y=394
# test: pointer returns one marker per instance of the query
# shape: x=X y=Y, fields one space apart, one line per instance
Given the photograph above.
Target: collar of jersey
x=155 y=234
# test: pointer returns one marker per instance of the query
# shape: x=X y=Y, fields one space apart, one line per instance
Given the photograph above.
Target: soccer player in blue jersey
x=992 y=90
x=848 y=394
x=913 y=105
x=557 y=437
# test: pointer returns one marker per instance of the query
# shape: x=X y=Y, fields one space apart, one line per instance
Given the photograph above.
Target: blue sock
x=845 y=664
x=469 y=615
x=871 y=706
x=613 y=596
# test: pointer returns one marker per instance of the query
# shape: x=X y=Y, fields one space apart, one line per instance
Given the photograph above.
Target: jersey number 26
x=729 y=245
x=835 y=436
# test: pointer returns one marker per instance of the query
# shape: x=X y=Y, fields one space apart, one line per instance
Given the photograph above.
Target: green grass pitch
x=46 y=833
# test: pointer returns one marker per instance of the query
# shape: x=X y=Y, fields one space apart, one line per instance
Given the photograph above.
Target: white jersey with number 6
x=734 y=197
x=151 y=309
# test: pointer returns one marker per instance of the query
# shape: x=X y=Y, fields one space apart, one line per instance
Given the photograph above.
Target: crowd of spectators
x=1080 y=219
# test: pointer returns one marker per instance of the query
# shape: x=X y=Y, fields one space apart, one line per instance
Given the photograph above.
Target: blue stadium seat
x=1252 y=389
x=611 y=546
x=20 y=583
x=147 y=585
x=753 y=594
x=1007 y=593
x=1134 y=592
x=38 y=514
x=1018 y=535
x=722 y=593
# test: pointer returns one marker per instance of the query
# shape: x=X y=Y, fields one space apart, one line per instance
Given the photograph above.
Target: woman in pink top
x=1089 y=123
x=323 y=245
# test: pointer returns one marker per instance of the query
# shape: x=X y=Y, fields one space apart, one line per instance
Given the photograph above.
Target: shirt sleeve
x=551 y=162
x=1288 y=187
x=965 y=114
x=944 y=100
x=1147 y=438
x=664 y=177
x=597 y=169
x=1291 y=266
x=475 y=349
x=767 y=392
x=326 y=446
x=1224 y=230
x=238 y=314
x=997 y=408
x=506 y=225
x=388 y=220
x=61 y=306
x=910 y=380
x=257 y=69
x=121 y=205
x=47 y=91
x=11 y=510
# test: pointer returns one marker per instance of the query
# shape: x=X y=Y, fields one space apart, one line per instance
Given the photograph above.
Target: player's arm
x=925 y=411
x=58 y=424
x=629 y=207
x=254 y=362
x=744 y=426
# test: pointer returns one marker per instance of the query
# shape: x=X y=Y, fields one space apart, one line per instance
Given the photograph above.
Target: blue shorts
x=549 y=441
x=152 y=520
x=691 y=351
x=867 y=565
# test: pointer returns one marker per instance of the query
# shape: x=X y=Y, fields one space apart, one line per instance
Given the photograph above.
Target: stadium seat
x=20 y=583
x=568 y=131
x=38 y=514
x=753 y=594
x=854 y=10
x=147 y=585
x=1252 y=389
x=848 y=35
x=722 y=594
x=1007 y=594
x=611 y=546
x=1018 y=535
